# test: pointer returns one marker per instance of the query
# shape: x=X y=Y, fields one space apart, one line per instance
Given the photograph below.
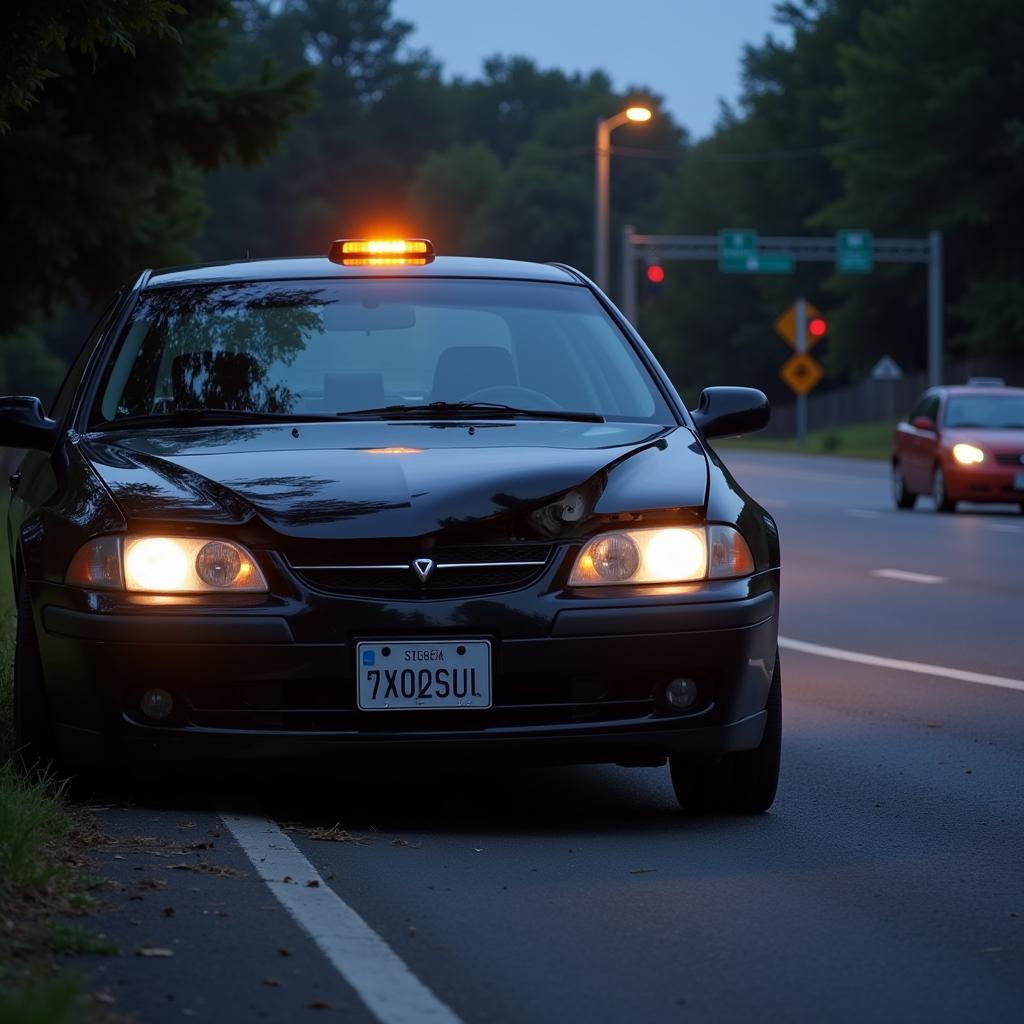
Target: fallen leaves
x=334 y=834
x=272 y=982
x=641 y=871
x=204 y=867
x=152 y=883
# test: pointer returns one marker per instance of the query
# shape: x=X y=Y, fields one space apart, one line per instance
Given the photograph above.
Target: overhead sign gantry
x=744 y=251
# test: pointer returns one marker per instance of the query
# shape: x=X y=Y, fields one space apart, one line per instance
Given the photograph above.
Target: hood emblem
x=423 y=567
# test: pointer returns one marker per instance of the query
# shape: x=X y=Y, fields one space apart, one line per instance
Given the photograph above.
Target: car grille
x=469 y=569
x=1011 y=459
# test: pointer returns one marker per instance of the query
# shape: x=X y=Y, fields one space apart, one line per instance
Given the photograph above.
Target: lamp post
x=602 y=155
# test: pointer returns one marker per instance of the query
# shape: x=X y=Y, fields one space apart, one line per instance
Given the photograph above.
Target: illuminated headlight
x=967 y=454
x=673 y=554
x=166 y=565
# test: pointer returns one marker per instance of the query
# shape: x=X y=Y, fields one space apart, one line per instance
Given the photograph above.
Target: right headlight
x=674 y=554
x=166 y=565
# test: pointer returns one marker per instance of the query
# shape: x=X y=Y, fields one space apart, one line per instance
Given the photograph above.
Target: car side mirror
x=24 y=425
x=723 y=412
x=923 y=423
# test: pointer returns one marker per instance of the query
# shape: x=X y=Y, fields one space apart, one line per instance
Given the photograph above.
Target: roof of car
x=981 y=389
x=321 y=267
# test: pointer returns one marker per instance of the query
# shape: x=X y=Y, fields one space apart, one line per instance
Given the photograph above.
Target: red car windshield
x=988 y=412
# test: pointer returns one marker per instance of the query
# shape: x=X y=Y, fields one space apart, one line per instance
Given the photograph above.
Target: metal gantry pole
x=602 y=154
x=800 y=344
x=628 y=294
x=935 y=304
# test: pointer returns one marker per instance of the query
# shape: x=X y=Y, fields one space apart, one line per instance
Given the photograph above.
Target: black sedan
x=383 y=503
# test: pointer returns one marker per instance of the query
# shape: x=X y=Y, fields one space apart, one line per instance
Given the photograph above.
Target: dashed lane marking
x=381 y=979
x=864 y=513
x=908 y=577
x=786 y=643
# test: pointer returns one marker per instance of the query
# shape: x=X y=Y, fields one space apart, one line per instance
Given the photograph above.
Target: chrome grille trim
x=406 y=568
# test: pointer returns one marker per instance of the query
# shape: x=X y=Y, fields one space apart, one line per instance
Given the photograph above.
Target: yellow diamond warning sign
x=801 y=372
x=785 y=325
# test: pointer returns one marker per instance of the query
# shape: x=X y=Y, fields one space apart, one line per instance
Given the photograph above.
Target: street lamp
x=602 y=153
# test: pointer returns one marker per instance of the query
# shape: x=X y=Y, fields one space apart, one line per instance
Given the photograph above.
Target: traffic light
x=816 y=327
x=655 y=275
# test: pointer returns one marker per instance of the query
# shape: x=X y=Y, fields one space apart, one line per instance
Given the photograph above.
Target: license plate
x=424 y=674
x=1018 y=482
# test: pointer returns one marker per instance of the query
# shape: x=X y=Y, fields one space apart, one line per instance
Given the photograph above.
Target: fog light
x=156 y=704
x=681 y=693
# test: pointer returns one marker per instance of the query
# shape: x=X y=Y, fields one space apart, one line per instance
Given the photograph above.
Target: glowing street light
x=602 y=154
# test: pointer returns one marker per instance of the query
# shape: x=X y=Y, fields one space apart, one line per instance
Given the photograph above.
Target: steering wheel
x=512 y=394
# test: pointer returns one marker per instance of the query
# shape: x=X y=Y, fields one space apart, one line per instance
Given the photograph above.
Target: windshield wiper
x=196 y=417
x=474 y=409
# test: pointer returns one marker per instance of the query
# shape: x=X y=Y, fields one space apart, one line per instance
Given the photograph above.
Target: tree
x=103 y=175
x=934 y=91
x=35 y=32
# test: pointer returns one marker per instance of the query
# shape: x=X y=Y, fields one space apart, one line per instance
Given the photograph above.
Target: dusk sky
x=686 y=50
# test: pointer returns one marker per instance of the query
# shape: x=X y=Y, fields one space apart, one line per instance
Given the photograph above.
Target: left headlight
x=166 y=565
x=967 y=454
x=672 y=554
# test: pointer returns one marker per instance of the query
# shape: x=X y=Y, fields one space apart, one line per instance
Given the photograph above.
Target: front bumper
x=987 y=482
x=577 y=679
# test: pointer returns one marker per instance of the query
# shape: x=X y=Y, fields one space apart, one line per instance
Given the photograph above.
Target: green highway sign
x=855 y=252
x=759 y=263
x=738 y=254
x=735 y=247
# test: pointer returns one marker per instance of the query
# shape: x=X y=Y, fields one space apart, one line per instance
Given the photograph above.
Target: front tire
x=939 y=495
x=741 y=782
x=900 y=495
x=34 y=742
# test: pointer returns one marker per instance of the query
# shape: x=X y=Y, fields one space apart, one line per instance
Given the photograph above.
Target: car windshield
x=329 y=347
x=990 y=412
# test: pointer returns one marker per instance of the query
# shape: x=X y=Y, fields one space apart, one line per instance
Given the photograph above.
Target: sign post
x=885 y=373
x=801 y=371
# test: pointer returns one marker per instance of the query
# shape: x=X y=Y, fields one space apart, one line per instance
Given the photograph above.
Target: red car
x=961 y=443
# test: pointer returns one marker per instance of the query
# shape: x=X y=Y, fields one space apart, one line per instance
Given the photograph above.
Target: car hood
x=374 y=479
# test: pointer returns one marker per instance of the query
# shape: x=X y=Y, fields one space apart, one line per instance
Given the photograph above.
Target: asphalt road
x=887 y=883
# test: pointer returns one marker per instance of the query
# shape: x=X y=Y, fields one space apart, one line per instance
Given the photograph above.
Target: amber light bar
x=381 y=252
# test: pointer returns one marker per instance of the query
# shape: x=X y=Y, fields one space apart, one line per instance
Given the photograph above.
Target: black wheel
x=939 y=496
x=743 y=782
x=900 y=495
x=33 y=728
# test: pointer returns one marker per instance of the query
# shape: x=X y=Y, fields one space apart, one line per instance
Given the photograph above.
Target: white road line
x=901 y=666
x=391 y=992
x=1005 y=528
x=864 y=513
x=908 y=577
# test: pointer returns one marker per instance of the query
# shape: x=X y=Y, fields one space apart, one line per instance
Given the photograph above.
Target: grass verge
x=859 y=441
x=42 y=877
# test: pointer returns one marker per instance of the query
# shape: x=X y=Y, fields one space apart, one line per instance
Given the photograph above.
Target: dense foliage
x=901 y=116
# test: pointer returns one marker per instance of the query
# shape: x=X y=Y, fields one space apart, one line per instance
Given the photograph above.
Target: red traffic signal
x=655 y=273
x=816 y=327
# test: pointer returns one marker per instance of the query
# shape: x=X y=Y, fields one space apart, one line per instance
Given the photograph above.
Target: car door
x=919 y=440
